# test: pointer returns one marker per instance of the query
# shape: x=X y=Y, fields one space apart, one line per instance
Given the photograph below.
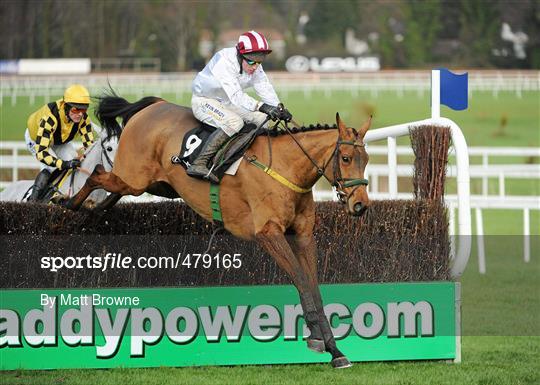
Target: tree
x=480 y=24
x=330 y=19
x=423 y=24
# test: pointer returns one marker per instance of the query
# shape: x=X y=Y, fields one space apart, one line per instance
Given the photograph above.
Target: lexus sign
x=300 y=63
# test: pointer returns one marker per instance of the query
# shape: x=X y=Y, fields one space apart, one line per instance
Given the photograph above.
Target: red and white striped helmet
x=252 y=42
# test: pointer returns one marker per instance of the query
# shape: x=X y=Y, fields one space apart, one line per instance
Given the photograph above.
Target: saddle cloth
x=227 y=159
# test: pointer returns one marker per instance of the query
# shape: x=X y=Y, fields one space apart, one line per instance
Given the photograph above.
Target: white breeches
x=227 y=117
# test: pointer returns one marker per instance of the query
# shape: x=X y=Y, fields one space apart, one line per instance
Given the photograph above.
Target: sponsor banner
x=54 y=66
x=9 y=67
x=299 y=63
x=104 y=328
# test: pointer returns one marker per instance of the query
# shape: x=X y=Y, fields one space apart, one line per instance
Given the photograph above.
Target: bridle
x=339 y=183
x=104 y=152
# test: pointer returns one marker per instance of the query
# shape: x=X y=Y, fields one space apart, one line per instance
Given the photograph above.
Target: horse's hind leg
x=104 y=180
x=108 y=202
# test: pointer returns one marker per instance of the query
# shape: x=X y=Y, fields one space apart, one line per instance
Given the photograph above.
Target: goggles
x=251 y=62
x=77 y=110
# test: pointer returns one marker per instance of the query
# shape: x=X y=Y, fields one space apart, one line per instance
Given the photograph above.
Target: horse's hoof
x=341 y=363
x=316 y=345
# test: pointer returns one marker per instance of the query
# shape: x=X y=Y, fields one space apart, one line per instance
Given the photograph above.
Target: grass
x=487 y=360
x=502 y=121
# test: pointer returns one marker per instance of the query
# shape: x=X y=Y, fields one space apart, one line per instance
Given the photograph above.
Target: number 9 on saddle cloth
x=233 y=150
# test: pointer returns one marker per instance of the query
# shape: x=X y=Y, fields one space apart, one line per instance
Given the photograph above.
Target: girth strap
x=253 y=160
x=214 y=203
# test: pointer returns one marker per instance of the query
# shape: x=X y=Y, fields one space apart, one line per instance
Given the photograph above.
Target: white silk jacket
x=221 y=80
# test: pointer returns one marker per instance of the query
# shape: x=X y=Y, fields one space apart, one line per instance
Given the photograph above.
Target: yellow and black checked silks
x=50 y=126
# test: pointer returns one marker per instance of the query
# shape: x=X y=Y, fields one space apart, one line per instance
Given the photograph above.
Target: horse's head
x=102 y=152
x=350 y=160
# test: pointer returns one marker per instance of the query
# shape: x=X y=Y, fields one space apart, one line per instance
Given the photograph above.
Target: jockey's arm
x=85 y=130
x=268 y=95
x=232 y=87
x=264 y=89
x=44 y=136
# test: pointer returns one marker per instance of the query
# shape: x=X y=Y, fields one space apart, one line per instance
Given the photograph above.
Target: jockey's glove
x=273 y=112
x=284 y=113
x=73 y=163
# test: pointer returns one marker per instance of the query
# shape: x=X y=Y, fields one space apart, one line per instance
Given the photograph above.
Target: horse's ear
x=340 y=124
x=365 y=127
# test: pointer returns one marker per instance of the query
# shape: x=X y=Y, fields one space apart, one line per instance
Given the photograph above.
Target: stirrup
x=207 y=176
x=211 y=177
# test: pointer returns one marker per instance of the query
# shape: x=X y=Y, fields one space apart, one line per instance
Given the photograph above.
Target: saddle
x=228 y=154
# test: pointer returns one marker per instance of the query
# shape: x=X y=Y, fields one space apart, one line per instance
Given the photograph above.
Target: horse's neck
x=92 y=156
x=91 y=159
x=319 y=145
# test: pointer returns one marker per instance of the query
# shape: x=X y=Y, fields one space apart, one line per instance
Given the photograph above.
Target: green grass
x=487 y=360
x=481 y=123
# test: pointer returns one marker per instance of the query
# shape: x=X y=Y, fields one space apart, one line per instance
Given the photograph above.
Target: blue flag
x=454 y=89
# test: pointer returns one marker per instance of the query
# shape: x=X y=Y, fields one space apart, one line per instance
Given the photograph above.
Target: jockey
x=51 y=130
x=220 y=101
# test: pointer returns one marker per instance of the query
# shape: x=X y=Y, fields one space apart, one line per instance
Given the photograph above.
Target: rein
x=104 y=152
x=268 y=170
x=71 y=173
x=339 y=183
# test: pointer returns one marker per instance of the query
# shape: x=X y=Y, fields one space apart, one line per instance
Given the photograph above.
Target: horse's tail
x=113 y=106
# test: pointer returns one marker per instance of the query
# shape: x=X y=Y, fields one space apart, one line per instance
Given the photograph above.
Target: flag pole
x=435 y=94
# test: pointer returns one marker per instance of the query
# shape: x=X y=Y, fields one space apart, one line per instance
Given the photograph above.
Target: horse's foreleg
x=315 y=341
x=76 y=201
x=306 y=249
x=272 y=239
x=338 y=358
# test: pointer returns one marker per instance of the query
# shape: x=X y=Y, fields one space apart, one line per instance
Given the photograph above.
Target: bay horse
x=254 y=205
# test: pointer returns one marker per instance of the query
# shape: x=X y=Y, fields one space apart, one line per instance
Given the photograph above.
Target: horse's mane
x=297 y=130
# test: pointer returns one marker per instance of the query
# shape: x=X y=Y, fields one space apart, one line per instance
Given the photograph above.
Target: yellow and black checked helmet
x=77 y=96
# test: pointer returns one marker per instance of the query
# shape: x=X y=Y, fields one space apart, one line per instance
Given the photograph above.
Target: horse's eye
x=345 y=159
x=109 y=148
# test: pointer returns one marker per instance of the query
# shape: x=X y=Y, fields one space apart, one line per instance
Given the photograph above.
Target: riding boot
x=199 y=167
x=39 y=185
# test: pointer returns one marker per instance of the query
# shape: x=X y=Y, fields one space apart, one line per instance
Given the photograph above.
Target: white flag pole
x=435 y=94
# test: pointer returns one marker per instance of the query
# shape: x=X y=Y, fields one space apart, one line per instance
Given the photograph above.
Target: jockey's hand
x=284 y=113
x=273 y=112
x=73 y=163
